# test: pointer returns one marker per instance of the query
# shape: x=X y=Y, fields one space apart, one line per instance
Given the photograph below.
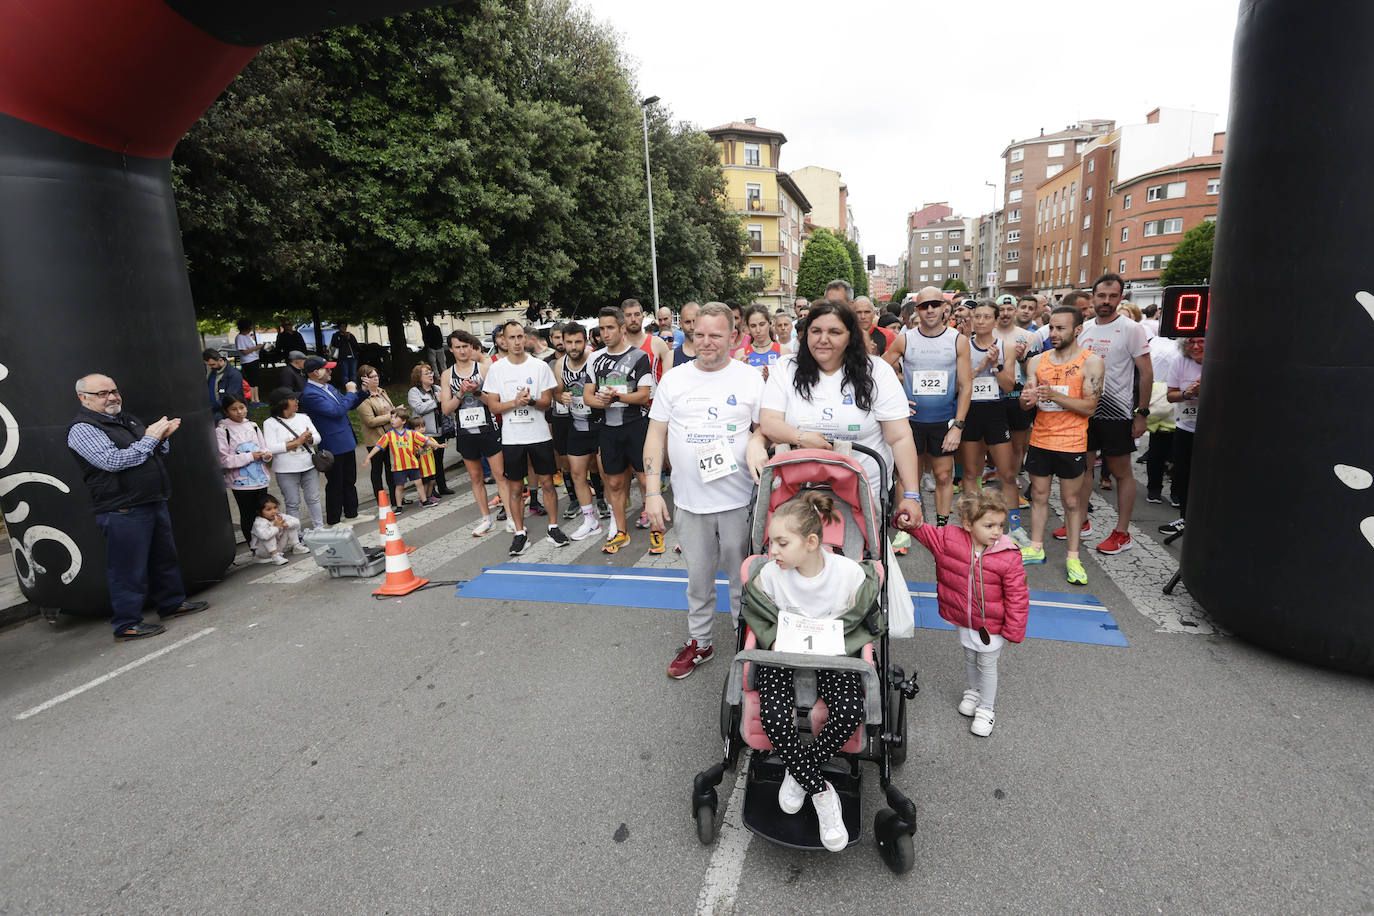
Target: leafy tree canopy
x=826 y=258
x=1192 y=257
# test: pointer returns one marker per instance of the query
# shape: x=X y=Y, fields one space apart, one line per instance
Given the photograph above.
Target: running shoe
x=1173 y=501
x=572 y=512
x=1116 y=542
x=983 y=720
x=489 y=480
x=495 y=501
x=536 y=508
x=1074 y=571
x=688 y=658
x=656 y=542
x=1019 y=535
x=615 y=543
x=603 y=509
x=302 y=550
x=558 y=478
x=1062 y=532
x=1025 y=503
x=519 y=544
x=969 y=702
x=643 y=520
x=834 y=834
x=1172 y=527
x=1154 y=496
x=791 y=795
x=900 y=543
x=1033 y=556
x=501 y=515
x=589 y=527
x=557 y=537
x=482 y=527
x=510 y=525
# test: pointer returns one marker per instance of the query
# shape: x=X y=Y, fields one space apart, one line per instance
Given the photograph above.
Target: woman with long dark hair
x=831 y=389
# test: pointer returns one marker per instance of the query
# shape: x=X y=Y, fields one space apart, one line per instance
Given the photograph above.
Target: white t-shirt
x=521 y=425
x=832 y=413
x=824 y=597
x=701 y=408
x=1183 y=373
x=243 y=342
x=1118 y=342
x=279 y=432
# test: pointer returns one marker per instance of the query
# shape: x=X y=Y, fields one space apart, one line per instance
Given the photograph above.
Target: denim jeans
x=141 y=562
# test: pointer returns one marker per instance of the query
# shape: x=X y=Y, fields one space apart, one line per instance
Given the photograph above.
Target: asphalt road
x=314 y=750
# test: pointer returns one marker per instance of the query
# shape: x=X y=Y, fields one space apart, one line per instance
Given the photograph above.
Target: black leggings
x=1183 y=468
x=247 y=501
x=844 y=697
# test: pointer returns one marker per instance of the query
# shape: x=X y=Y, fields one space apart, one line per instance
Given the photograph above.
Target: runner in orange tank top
x=1065 y=383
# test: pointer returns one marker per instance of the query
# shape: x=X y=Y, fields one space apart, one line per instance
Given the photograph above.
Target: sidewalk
x=14 y=607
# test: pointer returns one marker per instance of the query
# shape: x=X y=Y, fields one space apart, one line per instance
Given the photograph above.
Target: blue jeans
x=140 y=562
x=348 y=369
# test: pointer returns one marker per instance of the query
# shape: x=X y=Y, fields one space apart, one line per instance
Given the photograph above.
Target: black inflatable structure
x=94 y=95
x=1280 y=540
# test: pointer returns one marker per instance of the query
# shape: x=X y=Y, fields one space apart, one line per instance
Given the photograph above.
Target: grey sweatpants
x=710 y=543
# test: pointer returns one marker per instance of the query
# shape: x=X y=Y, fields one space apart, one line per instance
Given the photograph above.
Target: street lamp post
x=649 y=183
x=992 y=240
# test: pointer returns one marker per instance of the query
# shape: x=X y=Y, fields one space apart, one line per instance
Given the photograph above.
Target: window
x=937 y=277
x=1078 y=146
x=1013 y=254
x=1014 y=196
x=925 y=236
x=1166 y=191
x=1149 y=262
x=751 y=154
x=1113 y=158
x=954 y=248
x=925 y=264
x=939 y=249
x=1014 y=216
x=1109 y=217
x=1082 y=277
x=1054 y=150
x=1178 y=189
x=755 y=238
x=1165 y=259
x=1052 y=170
x=753 y=193
x=1172 y=226
x=925 y=278
x=1126 y=202
x=954 y=275
x=925 y=249
x=1088 y=193
x=1121 y=266
x=1092 y=164
x=1014 y=236
x=955 y=234
x=1087 y=220
x=756 y=271
x=1210 y=219
x=939 y=235
x=1011 y=275
x=1213 y=185
x=1084 y=252
x=938 y=263
x=1018 y=154
x=1125 y=233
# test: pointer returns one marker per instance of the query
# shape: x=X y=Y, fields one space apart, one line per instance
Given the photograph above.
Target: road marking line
x=113 y=674
x=721 y=882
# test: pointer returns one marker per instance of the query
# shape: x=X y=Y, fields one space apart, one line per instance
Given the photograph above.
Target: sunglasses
x=922 y=306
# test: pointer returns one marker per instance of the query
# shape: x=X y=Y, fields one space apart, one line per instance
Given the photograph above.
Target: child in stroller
x=807 y=593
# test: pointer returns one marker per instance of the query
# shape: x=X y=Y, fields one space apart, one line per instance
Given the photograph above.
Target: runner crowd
x=1016 y=391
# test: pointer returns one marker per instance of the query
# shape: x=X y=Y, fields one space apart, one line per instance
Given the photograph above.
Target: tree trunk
x=401 y=360
x=319 y=331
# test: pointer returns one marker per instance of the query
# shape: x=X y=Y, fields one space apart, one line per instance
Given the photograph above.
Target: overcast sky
x=914 y=102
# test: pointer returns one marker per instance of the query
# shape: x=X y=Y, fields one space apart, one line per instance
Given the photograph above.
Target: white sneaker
x=589 y=527
x=983 y=719
x=482 y=527
x=300 y=550
x=834 y=835
x=277 y=559
x=265 y=560
x=1019 y=535
x=510 y=525
x=791 y=795
x=969 y=703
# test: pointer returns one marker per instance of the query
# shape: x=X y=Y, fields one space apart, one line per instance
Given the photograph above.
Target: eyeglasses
x=922 y=306
x=108 y=392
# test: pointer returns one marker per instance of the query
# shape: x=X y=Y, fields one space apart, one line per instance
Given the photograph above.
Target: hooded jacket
x=862 y=622
x=990 y=592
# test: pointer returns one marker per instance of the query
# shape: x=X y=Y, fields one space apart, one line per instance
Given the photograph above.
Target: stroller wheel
x=706 y=824
x=894 y=843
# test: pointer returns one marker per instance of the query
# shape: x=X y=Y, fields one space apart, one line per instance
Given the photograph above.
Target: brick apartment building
x=938 y=246
x=1156 y=209
x=1027 y=164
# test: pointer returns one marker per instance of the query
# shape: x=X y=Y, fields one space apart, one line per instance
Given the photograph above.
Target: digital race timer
x=1184 y=311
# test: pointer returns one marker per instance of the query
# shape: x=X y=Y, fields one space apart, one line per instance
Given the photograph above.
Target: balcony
x=757 y=206
x=765 y=247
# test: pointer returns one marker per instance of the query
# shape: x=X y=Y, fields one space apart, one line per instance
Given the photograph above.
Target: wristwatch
x=1142 y=411
x=959 y=424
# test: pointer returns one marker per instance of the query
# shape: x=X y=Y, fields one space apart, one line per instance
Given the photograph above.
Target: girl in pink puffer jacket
x=980 y=585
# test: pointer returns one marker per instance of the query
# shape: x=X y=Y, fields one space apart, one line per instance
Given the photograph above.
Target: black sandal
x=139 y=631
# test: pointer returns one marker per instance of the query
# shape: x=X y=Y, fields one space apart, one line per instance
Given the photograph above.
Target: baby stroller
x=882 y=738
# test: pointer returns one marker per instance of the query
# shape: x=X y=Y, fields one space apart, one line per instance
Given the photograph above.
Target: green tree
x=956 y=283
x=826 y=258
x=899 y=294
x=1192 y=257
x=856 y=268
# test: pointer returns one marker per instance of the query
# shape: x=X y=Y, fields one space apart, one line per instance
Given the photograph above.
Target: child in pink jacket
x=980 y=584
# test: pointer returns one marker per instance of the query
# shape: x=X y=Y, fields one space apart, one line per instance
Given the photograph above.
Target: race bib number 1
x=812 y=637
x=931 y=382
x=715 y=460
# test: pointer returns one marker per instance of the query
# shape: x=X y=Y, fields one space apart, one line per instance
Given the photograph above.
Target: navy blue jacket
x=217 y=385
x=328 y=408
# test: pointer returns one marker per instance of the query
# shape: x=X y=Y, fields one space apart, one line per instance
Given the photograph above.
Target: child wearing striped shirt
x=405 y=446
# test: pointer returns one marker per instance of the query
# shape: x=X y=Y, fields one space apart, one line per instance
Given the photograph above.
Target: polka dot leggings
x=843 y=695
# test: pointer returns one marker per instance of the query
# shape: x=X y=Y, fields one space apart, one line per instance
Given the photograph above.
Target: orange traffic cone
x=400 y=578
x=383 y=512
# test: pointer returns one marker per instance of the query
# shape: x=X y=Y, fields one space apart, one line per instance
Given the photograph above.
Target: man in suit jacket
x=328 y=409
x=220 y=379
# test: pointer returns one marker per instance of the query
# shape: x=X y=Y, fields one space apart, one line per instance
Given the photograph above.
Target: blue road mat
x=1062 y=616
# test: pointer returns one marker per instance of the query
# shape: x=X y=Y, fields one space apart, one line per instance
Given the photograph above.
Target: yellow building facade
x=772 y=209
